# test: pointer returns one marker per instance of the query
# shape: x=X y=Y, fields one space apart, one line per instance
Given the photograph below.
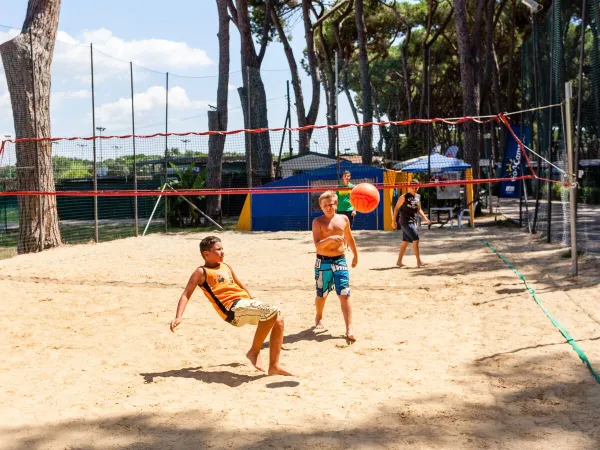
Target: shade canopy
x=439 y=164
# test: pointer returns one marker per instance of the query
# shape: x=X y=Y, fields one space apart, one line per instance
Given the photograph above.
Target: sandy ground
x=456 y=355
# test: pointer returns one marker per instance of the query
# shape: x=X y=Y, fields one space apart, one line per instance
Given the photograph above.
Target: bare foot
x=276 y=370
x=399 y=264
x=255 y=359
x=319 y=326
x=350 y=339
x=421 y=264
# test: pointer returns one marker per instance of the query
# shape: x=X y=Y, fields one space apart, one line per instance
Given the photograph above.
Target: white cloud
x=72 y=55
x=146 y=103
x=113 y=53
x=231 y=87
x=148 y=52
x=58 y=97
x=8 y=35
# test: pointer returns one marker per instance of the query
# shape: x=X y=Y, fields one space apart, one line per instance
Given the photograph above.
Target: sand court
x=454 y=355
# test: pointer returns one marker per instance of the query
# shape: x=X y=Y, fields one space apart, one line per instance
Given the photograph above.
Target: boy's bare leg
x=417 y=254
x=275 y=348
x=347 y=312
x=319 y=305
x=401 y=255
x=262 y=331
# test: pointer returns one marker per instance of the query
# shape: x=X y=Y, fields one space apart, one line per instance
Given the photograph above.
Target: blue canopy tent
x=439 y=164
x=279 y=212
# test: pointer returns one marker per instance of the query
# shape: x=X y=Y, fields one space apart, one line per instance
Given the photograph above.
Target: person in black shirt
x=409 y=205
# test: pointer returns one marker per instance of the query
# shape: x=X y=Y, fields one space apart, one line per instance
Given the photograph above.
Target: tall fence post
x=337 y=117
x=551 y=101
x=571 y=179
x=289 y=113
x=135 y=187
x=249 y=135
x=94 y=168
x=38 y=174
x=167 y=153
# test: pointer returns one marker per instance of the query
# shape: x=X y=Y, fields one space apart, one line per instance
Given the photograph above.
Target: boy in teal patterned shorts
x=331 y=232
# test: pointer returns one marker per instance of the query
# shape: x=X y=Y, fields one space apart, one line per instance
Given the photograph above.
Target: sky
x=179 y=37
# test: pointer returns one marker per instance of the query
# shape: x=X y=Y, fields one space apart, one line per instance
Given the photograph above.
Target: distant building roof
x=303 y=155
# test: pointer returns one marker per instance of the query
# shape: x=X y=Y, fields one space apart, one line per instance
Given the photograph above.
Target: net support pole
x=337 y=136
x=248 y=135
x=196 y=208
x=551 y=100
x=38 y=172
x=166 y=174
x=572 y=180
x=94 y=168
x=135 y=199
x=289 y=112
x=577 y=152
x=154 y=209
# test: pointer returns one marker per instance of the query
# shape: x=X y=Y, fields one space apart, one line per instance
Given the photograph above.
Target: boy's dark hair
x=207 y=243
x=346 y=172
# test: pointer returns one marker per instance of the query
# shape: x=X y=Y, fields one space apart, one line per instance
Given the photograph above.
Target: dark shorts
x=409 y=232
x=349 y=215
x=331 y=272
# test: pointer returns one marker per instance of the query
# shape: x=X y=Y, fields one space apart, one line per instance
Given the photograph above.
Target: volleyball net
x=104 y=187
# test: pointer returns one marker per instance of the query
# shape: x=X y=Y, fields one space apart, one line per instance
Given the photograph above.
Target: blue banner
x=512 y=166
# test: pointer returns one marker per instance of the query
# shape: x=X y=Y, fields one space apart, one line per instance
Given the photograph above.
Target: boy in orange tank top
x=234 y=303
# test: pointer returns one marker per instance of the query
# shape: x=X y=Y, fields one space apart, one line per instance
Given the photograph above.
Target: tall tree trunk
x=217 y=120
x=469 y=59
x=330 y=91
x=365 y=81
x=255 y=107
x=352 y=105
x=303 y=118
x=30 y=102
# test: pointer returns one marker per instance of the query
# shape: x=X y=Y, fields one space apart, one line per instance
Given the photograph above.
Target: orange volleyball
x=364 y=197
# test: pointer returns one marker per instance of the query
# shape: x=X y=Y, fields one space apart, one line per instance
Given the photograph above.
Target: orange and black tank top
x=221 y=289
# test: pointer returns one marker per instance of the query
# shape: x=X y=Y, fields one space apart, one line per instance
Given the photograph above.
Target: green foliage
x=180 y=213
x=590 y=195
x=69 y=168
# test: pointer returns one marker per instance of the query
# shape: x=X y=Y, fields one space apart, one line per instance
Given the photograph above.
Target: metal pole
x=167 y=153
x=154 y=209
x=536 y=116
x=521 y=172
x=135 y=187
x=196 y=208
x=572 y=179
x=249 y=136
x=94 y=168
x=337 y=138
x=579 y=88
x=551 y=101
x=289 y=111
x=429 y=142
x=37 y=149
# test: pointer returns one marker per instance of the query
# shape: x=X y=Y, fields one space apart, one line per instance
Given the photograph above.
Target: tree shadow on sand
x=225 y=377
x=533 y=406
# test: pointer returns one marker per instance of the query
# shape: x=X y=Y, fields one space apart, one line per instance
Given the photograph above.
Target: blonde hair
x=327 y=195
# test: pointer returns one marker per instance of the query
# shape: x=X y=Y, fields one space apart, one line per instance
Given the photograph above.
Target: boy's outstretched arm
x=350 y=240
x=197 y=278
x=239 y=283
